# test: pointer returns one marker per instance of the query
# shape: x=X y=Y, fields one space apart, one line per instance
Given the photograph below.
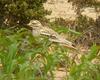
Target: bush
x=19 y=12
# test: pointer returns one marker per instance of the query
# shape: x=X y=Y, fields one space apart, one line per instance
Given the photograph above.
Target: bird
x=39 y=29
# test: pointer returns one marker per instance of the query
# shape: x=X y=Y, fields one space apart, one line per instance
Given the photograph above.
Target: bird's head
x=34 y=23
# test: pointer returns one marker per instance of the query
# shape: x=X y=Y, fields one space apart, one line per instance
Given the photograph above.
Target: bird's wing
x=55 y=37
x=47 y=31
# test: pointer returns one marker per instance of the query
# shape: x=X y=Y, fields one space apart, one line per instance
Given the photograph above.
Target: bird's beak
x=28 y=24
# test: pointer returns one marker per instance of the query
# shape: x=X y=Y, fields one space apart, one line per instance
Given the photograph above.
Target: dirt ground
x=63 y=9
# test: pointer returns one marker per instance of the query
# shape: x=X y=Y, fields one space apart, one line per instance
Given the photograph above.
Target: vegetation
x=19 y=12
x=89 y=28
x=25 y=57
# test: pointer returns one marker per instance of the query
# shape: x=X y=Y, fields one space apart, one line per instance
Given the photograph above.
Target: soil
x=63 y=9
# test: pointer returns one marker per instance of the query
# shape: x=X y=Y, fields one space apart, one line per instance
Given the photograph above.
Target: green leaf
x=74 y=32
x=10 y=60
x=93 y=52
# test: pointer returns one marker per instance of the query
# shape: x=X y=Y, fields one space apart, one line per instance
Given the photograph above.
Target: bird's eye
x=53 y=36
x=33 y=22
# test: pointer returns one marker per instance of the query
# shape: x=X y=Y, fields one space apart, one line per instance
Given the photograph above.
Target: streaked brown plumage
x=39 y=29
